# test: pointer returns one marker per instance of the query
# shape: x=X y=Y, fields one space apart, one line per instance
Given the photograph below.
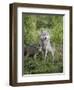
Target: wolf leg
x=46 y=54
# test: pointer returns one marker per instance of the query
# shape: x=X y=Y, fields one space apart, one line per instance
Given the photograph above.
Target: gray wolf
x=31 y=51
x=45 y=45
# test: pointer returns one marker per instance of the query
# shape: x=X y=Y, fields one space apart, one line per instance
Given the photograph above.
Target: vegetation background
x=32 y=25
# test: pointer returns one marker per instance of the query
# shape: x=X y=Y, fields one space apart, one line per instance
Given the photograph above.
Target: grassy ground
x=39 y=65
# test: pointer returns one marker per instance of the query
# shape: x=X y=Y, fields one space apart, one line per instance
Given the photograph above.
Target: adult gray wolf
x=45 y=45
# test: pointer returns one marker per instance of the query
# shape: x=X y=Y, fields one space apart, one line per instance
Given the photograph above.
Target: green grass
x=39 y=65
x=32 y=27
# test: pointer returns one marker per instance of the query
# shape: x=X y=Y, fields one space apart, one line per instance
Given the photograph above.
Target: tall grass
x=32 y=27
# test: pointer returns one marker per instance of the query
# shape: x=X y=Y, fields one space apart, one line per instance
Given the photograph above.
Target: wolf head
x=44 y=35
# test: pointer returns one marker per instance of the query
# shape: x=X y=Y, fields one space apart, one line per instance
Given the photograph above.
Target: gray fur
x=45 y=45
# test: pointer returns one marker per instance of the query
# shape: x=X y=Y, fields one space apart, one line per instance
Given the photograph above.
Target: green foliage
x=38 y=66
x=33 y=24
